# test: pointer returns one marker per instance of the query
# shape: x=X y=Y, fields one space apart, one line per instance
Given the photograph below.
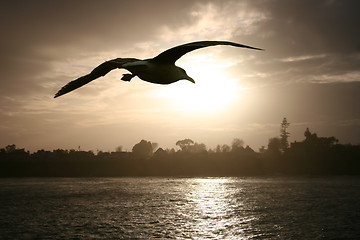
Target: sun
x=214 y=89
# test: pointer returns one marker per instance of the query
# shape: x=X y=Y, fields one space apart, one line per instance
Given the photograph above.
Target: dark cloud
x=36 y=32
x=311 y=27
x=307 y=41
x=63 y=22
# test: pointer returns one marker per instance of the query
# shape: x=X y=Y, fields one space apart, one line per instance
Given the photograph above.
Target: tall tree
x=284 y=135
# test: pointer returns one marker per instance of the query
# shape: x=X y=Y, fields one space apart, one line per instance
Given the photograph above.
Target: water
x=180 y=208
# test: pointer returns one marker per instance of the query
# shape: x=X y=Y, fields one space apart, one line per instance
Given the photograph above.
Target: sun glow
x=213 y=89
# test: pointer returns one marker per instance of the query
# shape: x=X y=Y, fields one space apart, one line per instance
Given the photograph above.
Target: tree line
x=312 y=156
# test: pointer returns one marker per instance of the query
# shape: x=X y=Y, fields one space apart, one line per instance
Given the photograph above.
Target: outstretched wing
x=99 y=71
x=171 y=55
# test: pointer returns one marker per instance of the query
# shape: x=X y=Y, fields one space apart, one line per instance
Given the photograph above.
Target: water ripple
x=180 y=208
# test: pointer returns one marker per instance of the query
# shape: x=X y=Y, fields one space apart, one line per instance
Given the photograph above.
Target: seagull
x=160 y=69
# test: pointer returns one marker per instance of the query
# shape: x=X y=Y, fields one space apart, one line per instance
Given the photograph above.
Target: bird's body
x=160 y=69
x=160 y=73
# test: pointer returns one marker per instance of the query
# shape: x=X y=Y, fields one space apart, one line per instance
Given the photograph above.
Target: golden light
x=211 y=201
x=214 y=89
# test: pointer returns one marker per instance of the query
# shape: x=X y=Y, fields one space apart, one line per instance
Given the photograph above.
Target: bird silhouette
x=160 y=69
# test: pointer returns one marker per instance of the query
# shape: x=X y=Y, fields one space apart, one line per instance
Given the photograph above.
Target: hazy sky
x=309 y=73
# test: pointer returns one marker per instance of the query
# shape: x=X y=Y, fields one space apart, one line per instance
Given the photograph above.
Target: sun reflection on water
x=213 y=210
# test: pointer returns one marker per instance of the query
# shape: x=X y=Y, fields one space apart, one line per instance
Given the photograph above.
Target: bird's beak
x=190 y=79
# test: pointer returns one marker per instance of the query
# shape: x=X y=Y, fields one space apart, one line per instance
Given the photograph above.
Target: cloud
x=45 y=44
x=309 y=27
x=221 y=20
x=313 y=39
x=302 y=58
x=42 y=36
x=36 y=34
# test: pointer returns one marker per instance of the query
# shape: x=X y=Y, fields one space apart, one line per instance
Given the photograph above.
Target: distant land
x=312 y=156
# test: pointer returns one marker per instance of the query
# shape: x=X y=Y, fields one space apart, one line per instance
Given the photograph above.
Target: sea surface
x=180 y=208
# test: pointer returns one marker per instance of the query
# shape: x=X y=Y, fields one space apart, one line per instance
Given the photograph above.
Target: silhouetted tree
x=262 y=149
x=170 y=151
x=284 y=135
x=248 y=149
x=225 y=148
x=197 y=148
x=10 y=148
x=10 y=152
x=218 y=149
x=103 y=155
x=274 y=145
x=143 y=149
x=313 y=155
x=311 y=139
x=185 y=144
x=272 y=156
x=160 y=153
x=237 y=144
x=2 y=153
x=119 y=148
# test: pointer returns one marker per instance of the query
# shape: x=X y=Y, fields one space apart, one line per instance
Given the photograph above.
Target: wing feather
x=99 y=71
x=171 y=55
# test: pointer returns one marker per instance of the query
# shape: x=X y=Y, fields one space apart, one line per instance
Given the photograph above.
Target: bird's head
x=183 y=75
